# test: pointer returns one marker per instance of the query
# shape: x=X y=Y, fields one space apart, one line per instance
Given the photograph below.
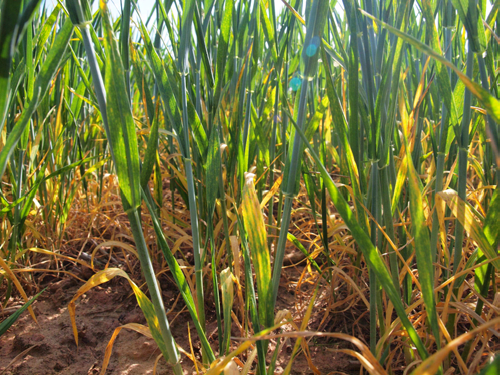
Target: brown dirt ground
x=52 y=349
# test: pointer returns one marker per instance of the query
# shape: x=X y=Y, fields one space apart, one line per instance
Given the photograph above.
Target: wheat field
x=351 y=144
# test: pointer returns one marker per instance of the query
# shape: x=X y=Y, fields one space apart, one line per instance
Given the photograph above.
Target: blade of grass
x=143 y=302
x=7 y=323
x=257 y=238
x=462 y=211
x=226 y=283
x=422 y=247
